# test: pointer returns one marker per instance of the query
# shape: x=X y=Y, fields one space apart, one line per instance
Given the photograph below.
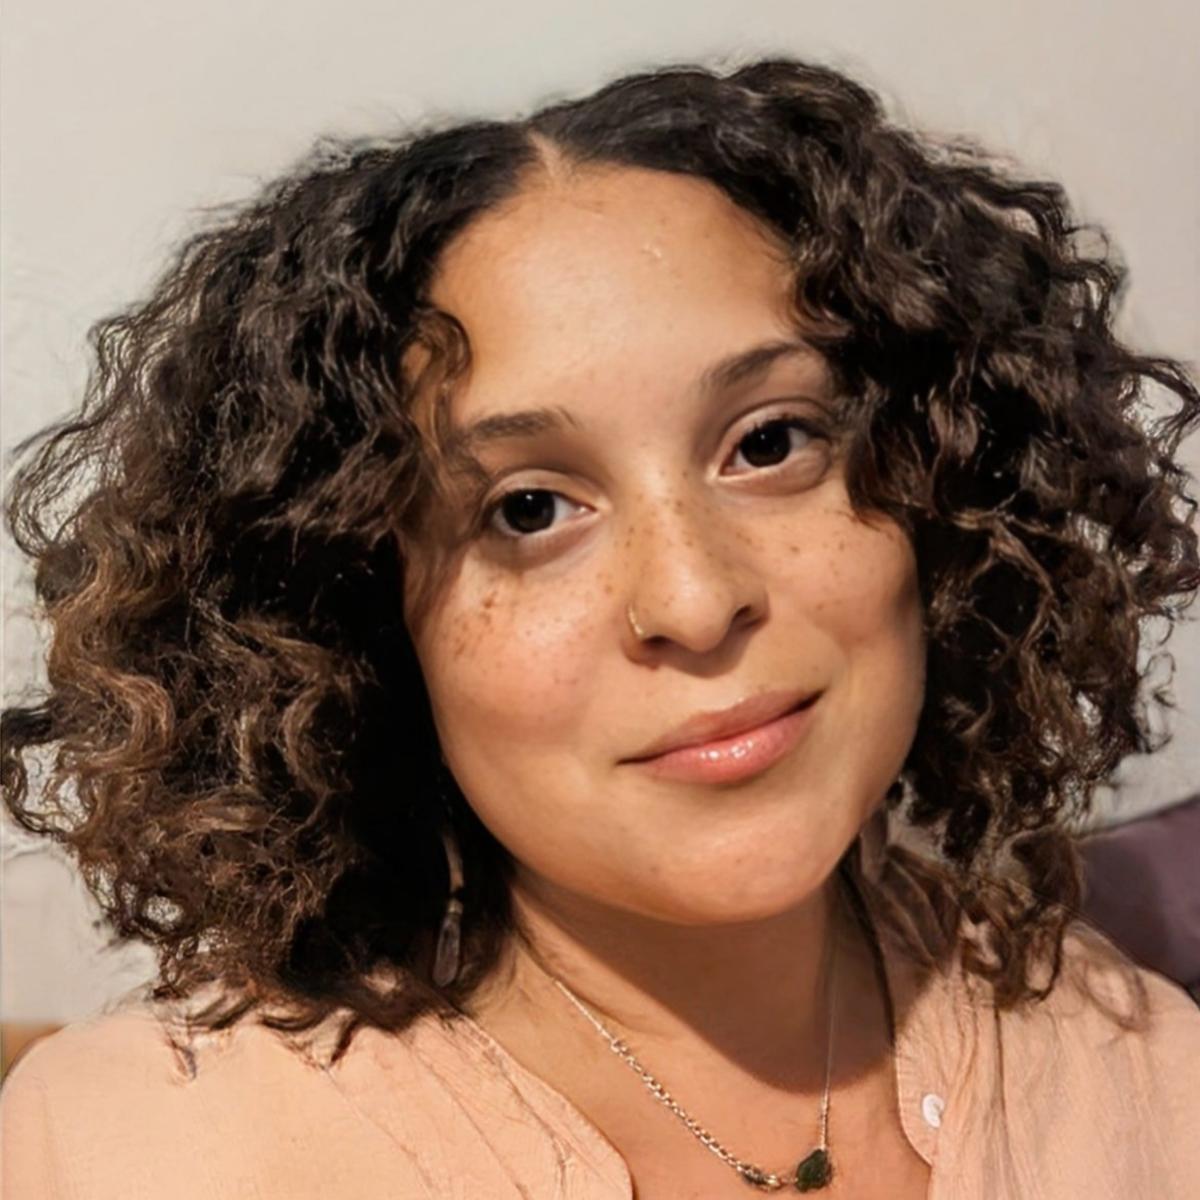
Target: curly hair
x=243 y=761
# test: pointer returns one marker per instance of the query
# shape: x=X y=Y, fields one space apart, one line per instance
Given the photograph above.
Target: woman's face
x=605 y=302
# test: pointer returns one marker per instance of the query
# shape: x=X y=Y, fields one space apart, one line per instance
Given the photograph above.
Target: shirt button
x=931 y=1109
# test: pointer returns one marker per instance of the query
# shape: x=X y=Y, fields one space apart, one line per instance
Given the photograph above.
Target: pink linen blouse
x=1057 y=1101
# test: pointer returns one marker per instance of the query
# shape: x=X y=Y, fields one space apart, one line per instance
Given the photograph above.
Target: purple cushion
x=1142 y=888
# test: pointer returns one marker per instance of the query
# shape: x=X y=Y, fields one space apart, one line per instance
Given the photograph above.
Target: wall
x=122 y=121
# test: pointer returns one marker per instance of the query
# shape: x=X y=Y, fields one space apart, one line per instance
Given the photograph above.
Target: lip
x=706 y=729
x=737 y=757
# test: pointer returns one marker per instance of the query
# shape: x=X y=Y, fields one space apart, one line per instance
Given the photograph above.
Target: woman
x=525 y=582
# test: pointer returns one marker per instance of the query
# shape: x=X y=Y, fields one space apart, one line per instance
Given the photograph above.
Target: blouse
x=1094 y=1091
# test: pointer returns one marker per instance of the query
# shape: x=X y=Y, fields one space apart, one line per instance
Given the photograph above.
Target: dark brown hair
x=239 y=749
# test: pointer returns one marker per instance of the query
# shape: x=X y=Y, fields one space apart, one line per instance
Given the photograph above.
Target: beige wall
x=118 y=118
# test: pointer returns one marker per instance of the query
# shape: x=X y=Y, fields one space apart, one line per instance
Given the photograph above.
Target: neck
x=754 y=994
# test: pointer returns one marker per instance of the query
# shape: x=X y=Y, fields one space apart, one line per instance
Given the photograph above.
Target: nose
x=691 y=578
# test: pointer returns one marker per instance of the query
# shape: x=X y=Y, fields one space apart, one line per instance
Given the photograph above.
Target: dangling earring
x=445 y=959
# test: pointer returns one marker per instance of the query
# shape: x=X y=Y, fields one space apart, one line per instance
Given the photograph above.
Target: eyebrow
x=739 y=368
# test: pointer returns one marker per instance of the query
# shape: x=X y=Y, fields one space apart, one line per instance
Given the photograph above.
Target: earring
x=449 y=943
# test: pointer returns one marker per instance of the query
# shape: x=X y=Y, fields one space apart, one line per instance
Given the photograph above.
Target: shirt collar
x=929 y=1007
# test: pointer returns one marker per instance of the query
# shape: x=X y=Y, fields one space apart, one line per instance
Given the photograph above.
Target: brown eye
x=769 y=444
x=523 y=511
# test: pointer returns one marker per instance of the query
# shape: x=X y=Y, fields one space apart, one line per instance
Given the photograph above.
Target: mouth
x=717 y=725
x=734 y=745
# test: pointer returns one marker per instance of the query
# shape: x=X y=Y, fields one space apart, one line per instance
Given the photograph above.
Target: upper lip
x=746 y=714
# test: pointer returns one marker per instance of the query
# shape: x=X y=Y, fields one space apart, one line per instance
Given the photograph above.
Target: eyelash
x=487 y=515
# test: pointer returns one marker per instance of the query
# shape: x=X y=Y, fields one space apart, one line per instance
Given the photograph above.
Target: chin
x=734 y=899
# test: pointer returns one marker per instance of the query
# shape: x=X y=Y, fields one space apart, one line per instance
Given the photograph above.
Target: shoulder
x=1114 y=994
x=1110 y=1033
x=135 y=1055
x=130 y=1035
x=83 y=1083
x=1105 y=1001
x=1130 y=1014
x=1088 y=1091
x=125 y=1103
x=117 y=1057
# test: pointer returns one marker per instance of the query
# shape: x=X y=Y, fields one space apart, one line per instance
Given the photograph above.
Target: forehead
x=612 y=268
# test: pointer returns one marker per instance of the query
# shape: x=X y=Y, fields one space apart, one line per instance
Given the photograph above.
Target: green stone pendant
x=814 y=1172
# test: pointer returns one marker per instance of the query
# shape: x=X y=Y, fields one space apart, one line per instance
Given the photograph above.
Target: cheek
x=868 y=589
x=867 y=600
x=511 y=664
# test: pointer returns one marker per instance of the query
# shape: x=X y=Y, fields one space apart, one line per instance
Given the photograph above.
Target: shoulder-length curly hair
x=244 y=763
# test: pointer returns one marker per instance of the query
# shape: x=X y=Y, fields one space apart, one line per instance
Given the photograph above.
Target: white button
x=931 y=1108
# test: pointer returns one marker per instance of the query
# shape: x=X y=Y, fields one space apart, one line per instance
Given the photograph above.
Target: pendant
x=814 y=1172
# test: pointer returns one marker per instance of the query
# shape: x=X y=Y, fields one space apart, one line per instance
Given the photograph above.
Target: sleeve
x=29 y=1166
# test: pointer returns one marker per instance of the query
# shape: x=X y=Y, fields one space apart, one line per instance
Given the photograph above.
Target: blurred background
x=120 y=123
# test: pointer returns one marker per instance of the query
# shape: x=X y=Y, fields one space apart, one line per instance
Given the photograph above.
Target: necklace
x=811 y=1173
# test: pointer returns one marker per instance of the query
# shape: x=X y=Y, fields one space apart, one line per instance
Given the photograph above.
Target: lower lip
x=732 y=759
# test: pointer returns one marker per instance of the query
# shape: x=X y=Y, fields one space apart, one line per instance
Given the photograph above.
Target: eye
x=770 y=443
x=523 y=512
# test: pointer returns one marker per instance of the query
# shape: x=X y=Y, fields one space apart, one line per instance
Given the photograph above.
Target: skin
x=666 y=904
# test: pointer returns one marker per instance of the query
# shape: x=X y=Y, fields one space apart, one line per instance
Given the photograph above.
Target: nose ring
x=639 y=632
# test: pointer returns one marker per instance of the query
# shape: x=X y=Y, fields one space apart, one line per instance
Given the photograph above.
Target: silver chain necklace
x=811 y=1173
